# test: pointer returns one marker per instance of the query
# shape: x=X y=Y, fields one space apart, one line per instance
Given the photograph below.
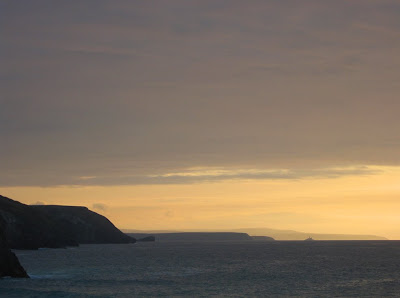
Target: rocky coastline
x=49 y=226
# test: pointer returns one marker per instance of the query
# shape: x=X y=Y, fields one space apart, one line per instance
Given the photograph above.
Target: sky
x=205 y=114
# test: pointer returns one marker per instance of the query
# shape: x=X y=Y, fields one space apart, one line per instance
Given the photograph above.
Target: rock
x=9 y=263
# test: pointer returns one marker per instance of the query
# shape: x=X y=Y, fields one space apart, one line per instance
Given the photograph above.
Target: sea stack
x=9 y=263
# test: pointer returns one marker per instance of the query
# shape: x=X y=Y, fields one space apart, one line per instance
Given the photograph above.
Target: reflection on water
x=320 y=268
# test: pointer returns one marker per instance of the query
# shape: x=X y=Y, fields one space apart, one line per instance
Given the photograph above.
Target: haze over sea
x=242 y=269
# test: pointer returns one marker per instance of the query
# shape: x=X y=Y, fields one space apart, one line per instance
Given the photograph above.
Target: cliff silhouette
x=9 y=263
x=53 y=226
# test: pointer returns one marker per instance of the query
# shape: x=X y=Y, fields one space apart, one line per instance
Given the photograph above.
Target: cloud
x=39 y=203
x=169 y=213
x=213 y=175
x=115 y=93
x=99 y=207
x=204 y=175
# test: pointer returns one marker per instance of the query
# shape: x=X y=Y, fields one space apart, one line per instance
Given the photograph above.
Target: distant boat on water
x=309 y=239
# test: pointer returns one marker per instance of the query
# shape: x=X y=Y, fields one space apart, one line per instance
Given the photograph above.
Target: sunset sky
x=205 y=114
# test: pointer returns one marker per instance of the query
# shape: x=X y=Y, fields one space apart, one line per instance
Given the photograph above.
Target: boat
x=309 y=239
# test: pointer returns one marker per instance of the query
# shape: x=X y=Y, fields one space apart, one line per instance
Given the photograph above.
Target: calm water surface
x=241 y=269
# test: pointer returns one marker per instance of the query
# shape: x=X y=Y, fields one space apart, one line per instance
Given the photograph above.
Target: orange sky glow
x=205 y=114
x=349 y=205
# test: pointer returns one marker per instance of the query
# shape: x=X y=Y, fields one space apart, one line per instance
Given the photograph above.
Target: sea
x=204 y=269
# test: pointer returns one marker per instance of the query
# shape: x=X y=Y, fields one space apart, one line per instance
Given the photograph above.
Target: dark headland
x=49 y=226
x=9 y=264
x=259 y=234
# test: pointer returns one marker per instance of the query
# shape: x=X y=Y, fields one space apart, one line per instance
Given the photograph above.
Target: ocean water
x=238 y=269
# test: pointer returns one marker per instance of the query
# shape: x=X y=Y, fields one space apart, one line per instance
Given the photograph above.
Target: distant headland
x=53 y=226
x=199 y=236
x=259 y=233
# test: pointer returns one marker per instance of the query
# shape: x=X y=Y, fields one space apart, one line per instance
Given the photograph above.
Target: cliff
x=31 y=227
x=9 y=264
x=83 y=226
